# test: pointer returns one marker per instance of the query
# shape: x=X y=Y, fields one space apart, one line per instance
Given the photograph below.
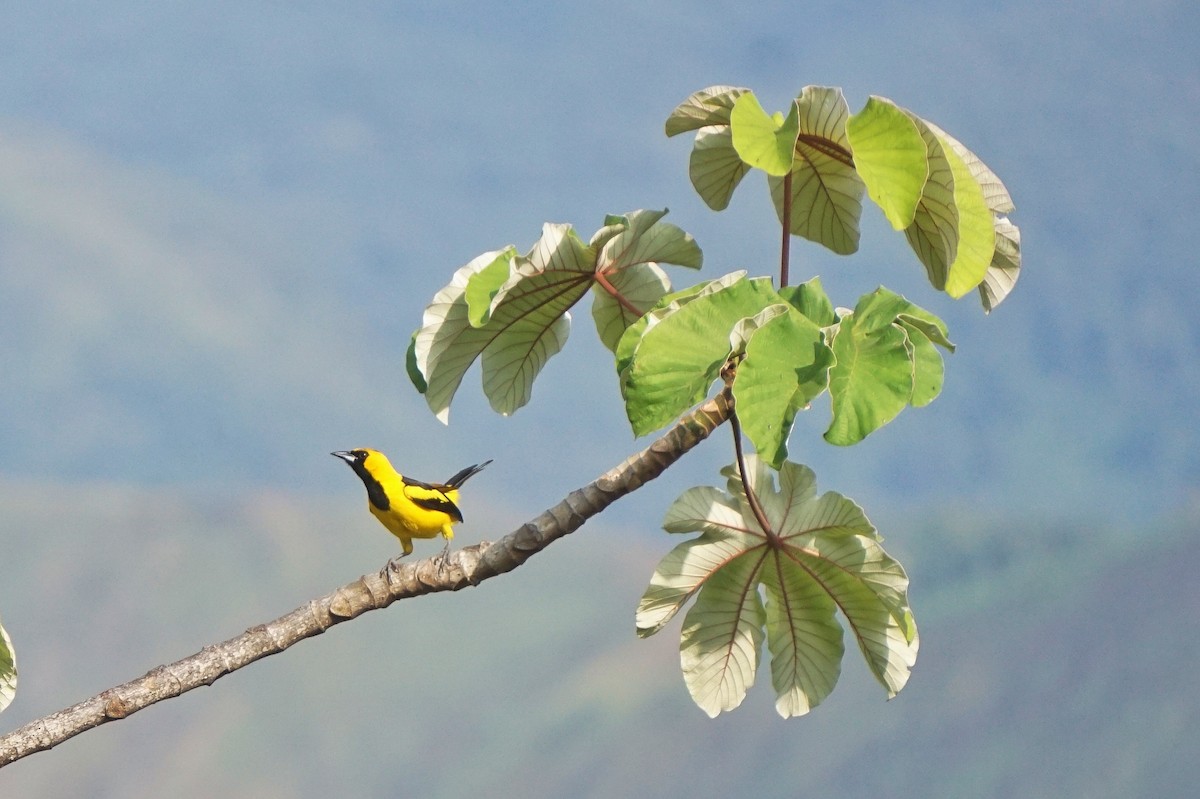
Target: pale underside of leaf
x=8 y=669
x=803 y=637
x=1001 y=276
x=722 y=636
x=630 y=249
x=706 y=107
x=648 y=240
x=994 y=192
x=708 y=509
x=826 y=190
x=1002 y=273
x=828 y=559
x=681 y=573
x=441 y=355
x=526 y=322
x=714 y=166
x=642 y=285
x=869 y=588
x=512 y=361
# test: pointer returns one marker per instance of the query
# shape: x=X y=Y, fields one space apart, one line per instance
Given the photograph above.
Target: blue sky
x=221 y=224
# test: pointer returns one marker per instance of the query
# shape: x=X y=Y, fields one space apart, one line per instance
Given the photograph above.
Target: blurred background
x=220 y=223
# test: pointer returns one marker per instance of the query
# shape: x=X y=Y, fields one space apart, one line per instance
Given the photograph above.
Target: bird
x=409 y=508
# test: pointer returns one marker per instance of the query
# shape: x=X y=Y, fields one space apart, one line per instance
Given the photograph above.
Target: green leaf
x=701 y=109
x=485 y=284
x=632 y=337
x=927 y=324
x=785 y=367
x=933 y=235
x=811 y=300
x=976 y=233
x=670 y=357
x=763 y=141
x=871 y=381
x=826 y=189
x=928 y=368
x=715 y=168
x=886 y=360
x=410 y=365
x=8 y=670
x=890 y=157
x=822 y=556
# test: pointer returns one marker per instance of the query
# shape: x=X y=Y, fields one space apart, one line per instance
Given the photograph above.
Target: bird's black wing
x=431 y=496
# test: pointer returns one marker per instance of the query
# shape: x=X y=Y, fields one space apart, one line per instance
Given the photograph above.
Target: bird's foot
x=394 y=564
x=443 y=558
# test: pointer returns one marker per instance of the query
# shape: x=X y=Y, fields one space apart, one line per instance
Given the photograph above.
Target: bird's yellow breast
x=406 y=519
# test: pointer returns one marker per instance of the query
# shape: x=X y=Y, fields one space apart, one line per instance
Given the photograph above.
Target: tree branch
x=469 y=566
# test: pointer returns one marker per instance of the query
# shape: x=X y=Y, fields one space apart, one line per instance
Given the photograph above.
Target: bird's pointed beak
x=348 y=457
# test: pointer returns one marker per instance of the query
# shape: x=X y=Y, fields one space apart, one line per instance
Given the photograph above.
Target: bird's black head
x=351 y=456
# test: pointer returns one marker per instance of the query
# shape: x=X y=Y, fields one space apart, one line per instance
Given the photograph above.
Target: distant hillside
x=1052 y=664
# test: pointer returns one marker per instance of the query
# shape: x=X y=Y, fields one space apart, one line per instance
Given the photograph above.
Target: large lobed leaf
x=821 y=556
x=669 y=359
x=8 y=669
x=734 y=134
x=886 y=359
x=949 y=204
x=511 y=311
x=786 y=365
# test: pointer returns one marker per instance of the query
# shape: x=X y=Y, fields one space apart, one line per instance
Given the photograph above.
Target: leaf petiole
x=736 y=428
x=624 y=302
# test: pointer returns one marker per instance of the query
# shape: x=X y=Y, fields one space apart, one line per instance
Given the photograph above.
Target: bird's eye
x=359 y=454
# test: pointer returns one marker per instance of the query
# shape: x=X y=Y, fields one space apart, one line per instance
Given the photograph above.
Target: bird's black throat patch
x=375 y=493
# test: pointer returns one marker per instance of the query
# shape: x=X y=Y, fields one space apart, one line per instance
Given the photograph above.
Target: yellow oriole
x=408 y=508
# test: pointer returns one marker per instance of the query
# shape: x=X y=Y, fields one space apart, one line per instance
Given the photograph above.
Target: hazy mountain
x=1054 y=662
